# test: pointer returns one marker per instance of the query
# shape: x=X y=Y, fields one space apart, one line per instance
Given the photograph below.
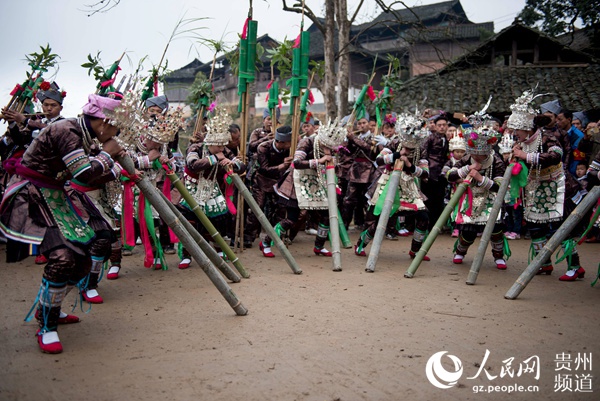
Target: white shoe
x=113 y=273
x=311 y=231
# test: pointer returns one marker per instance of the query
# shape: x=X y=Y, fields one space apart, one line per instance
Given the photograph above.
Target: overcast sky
x=142 y=28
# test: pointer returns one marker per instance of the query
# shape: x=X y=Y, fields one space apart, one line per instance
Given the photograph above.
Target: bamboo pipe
x=150 y=192
x=553 y=243
x=489 y=227
x=205 y=246
x=437 y=229
x=384 y=217
x=205 y=221
x=264 y=222
x=334 y=228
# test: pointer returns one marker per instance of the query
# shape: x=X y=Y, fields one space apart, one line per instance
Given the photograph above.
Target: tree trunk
x=329 y=54
x=343 y=76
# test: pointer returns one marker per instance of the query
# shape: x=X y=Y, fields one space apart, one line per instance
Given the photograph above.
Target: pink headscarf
x=97 y=105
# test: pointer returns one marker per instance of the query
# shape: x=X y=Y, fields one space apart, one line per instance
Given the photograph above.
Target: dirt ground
x=321 y=335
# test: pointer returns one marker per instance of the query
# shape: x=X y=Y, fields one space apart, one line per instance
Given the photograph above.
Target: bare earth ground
x=322 y=335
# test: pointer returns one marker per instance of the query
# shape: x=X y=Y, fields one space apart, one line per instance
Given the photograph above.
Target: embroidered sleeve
x=77 y=162
x=143 y=162
x=191 y=157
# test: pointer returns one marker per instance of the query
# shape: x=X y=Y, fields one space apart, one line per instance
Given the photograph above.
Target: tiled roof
x=467 y=90
x=421 y=13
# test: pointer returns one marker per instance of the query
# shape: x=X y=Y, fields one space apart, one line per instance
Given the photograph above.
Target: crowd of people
x=67 y=202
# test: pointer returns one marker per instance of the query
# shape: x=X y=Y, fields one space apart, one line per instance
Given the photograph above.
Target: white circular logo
x=440 y=377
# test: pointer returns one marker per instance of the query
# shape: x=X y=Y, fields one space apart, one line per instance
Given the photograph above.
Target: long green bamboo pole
x=553 y=243
x=384 y=217
x=205 y=246
x=334 y=227
x=489 y=227
x=205 y=221
x=346 y=243
x=436 y=230
x=264 y=222
x=150 y=192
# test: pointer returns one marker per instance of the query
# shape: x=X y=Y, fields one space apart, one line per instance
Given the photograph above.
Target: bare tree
x=344 y=24
x=327 y=29
x=101 y=6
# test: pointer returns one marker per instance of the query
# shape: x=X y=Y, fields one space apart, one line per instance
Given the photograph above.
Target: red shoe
x=592 y=240
x=501 y=264
x=49 y=342
x=67 y=319
x=322 y=252
x=157 y=264
x=92 y=296
x=412 y=256
x=458 y=259
x=113 y=273
x=546 y=269
x=573 y=274
x=361 y=253
x=266 y=250
x=41 y=260
x=185 y=263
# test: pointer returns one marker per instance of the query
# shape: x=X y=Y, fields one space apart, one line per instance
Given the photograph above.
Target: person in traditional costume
x=457 y=147
x=485 y=169
x=150 y=154
x=435 y=150
x=273 y=161
x=513 y=209
x=21 y=131
x=156 y=108
x=35 y=208
x=258 y=136
x=411 y=133
x=363 y=154
x=104 y=197
x=206 y=175
x=304 y=187
x=540 y=157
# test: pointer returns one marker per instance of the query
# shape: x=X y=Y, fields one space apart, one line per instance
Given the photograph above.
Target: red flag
x=297 y=42
x=371 y=93
x=311 y=98
x=245 y=29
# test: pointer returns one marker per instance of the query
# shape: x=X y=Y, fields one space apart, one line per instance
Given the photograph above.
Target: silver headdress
x=128 y=118
x=507 y=143
x=480 y=137
x=411 y=130
x=162 y=129
x=332 y=134
x=457 y=142
x=523 y=112
x=217 y=129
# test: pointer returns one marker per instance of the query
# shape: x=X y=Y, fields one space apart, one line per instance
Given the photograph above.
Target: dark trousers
x=434 y=191
x=354 y=203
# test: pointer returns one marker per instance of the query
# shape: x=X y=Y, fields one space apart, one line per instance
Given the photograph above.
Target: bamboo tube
x=460 y=190
x=553 y=243
x=264 y=222
x=489 y=227
x=295 y=127
x=384 y=217
x=168 y=217
x=207 y=224
x=205 y=246
x=334 y=228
